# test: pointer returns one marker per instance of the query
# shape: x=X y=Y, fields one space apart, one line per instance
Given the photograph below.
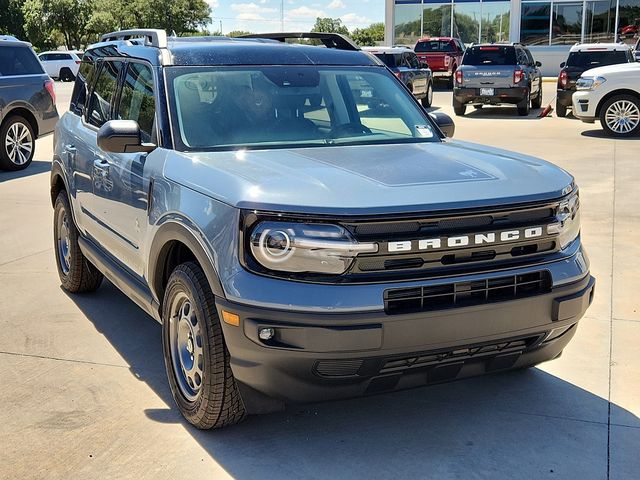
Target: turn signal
x=231 y=318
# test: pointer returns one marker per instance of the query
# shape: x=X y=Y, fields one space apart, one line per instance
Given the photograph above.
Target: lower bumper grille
x=462 y=294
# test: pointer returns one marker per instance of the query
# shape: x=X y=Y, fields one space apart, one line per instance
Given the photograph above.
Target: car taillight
x=397 y=74
x=447 y=60
x=518 y=75
x=49 y=86
x=78 y=62
x=459 y=77
x=563 y=79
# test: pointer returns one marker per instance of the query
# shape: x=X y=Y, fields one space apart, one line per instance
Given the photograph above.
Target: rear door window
x=103 y=93
x=490 y=55
x=18 y=60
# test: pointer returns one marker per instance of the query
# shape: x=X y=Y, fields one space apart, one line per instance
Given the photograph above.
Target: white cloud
x=213 y=3
x=352 y=20
x=251 y=8
x=336 y=4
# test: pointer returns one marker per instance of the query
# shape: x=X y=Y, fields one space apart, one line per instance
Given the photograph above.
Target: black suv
x=27 y=103
x=581 y=58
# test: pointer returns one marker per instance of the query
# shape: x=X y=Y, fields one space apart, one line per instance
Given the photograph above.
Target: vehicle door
x=535 y=72
x=420 y=78
x=89 y=160
x=120 y=189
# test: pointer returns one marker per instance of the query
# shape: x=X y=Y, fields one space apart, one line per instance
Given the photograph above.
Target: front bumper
x=320 y=356
x=584 y=105
x=463 y=96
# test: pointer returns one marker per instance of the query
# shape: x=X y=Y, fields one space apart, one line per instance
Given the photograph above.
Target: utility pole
x=282 y=15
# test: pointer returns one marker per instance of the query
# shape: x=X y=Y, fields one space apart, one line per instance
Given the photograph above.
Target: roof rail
x=152 y=37
x=9 y=38
x=330 y=40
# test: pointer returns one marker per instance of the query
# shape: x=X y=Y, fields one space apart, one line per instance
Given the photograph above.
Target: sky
x=260 y=16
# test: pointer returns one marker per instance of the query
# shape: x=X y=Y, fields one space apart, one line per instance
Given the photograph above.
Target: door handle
x=101 y=167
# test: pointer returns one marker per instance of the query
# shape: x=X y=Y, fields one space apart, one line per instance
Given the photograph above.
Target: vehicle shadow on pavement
x=36 y=167
x=599 y=133
x=500 y=113
x=524 y=424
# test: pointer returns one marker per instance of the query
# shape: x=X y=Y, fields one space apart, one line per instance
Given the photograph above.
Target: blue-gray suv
x=301 y=227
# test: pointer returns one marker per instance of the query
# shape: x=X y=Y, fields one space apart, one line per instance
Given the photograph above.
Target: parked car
x=443 y=54
x=61 y=65
x=583 y=57
x=612 y=95
x=405 y=65
x=295 y=243
x=27 y=103
x=498 y=74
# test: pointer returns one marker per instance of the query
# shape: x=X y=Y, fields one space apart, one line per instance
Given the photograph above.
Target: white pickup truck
x=611 y=94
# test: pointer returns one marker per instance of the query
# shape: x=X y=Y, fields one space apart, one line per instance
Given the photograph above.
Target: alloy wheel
x=18 y=143
x=63 y=241
x=622 y=116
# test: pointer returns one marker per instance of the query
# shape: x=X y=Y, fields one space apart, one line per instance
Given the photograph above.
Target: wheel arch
x=58 y=181
x=615 y=93
x=24 y=113
x=172 y=245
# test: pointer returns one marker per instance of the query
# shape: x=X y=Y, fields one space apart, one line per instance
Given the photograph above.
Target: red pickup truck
x=443 y=54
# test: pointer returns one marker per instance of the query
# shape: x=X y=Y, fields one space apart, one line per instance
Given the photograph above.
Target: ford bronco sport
x=301 y=227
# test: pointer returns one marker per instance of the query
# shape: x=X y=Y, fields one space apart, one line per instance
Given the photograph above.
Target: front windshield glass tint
x=279 y=107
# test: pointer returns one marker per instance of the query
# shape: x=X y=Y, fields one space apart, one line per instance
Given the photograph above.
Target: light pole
x=282 y=15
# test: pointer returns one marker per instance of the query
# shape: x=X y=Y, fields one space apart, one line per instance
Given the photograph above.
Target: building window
x=600 y=21
x=408 y=23
x=436 y=20
x=466 y=21
x=534 y=23
x=629 y=21
x=566 y=27
x=495 y=21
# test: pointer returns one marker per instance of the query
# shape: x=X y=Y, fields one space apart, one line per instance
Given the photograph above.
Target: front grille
x=462 y=294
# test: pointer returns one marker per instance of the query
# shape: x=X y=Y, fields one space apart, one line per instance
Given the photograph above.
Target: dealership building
x=549 y=28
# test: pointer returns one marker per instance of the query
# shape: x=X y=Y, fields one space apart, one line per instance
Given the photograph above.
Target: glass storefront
x=436 y=20
x=566 y=23
x=408 y=23
x=600 y=21
x=629 y=21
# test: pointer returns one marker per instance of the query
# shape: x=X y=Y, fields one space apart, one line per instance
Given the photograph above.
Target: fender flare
x=174 y=231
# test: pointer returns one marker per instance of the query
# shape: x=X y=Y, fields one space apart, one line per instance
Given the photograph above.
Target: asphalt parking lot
x=84 y=394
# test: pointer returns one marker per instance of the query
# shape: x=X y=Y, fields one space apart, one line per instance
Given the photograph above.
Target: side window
x=521 y=57
x=85 y=77
x=105 y=88
x=18 y=61
x=137 y=101
x=413 y=60
x=529 y=57
x=44 y=57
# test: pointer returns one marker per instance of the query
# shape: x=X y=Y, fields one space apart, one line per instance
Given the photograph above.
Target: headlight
x=305 y=247
x=568 y=225
x=589 y=83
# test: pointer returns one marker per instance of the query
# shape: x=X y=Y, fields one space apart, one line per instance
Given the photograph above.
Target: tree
x=238 y=33
x=369 y=36
x=11 y=18
x=330 y=25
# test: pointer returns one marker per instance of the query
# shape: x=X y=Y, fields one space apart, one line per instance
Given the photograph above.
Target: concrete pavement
x=84 y=393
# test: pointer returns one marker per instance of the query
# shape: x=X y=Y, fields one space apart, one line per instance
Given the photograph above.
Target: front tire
x=428 y=98
x=196 y=357
x=17 y=143
x=620 y=116
x=76 y=273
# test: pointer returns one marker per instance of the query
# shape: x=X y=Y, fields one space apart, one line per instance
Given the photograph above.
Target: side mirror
x=445 y=122
x=538 y=64
x=562 y=64
x=122 y=136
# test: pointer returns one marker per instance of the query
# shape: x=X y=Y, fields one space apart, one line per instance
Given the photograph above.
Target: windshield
x=426 y=46
x=283 y=106
x=490 y=55
x=589 y=60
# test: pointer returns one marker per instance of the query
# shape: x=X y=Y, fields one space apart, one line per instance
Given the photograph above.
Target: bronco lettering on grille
x=486 y=238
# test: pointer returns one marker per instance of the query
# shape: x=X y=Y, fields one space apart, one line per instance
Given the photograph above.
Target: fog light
x=266 y=333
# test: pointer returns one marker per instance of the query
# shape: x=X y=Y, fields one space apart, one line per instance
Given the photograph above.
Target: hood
x=371 y=179
x=609 y=69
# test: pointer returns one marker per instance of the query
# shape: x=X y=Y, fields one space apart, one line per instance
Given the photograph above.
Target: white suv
x=611 y=94
x=61 y=65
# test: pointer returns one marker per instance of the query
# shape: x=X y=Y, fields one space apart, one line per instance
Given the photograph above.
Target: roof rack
x=330 y=40
x=152 y=37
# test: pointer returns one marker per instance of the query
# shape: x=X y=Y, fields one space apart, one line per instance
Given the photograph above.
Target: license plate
x=486 y=92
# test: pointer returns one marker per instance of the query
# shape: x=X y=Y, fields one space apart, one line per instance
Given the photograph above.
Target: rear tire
x=525 y=106
x=620 y=116
x=561 y=110
x=17 y=143
x=459 y=111
x=537 y=102
x=66 y=75
x=452 y=79
x=76 y=273
x=428 y=98
x=196 y=357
